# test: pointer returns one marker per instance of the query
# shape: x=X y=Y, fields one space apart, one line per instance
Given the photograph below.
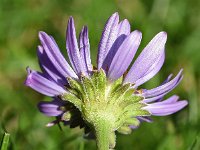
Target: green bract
x=105 y=106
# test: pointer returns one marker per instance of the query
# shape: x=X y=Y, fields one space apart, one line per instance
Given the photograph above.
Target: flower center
x=99 y=100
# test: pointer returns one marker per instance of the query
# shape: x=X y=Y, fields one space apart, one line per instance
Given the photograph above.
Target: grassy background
x=20 y=21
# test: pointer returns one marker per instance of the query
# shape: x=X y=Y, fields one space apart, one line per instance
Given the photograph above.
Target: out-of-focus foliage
x=20 y=21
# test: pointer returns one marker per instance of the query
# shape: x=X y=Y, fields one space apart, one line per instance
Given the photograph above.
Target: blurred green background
x=20 y=21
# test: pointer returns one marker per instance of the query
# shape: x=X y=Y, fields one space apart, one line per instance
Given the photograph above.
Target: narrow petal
x=133 y=127
x=144 y=118
x=55 y=56
x=170 y=100
x=152 y=99
x=85 y=49
x=107 y=39
x=48 y=68
x=72 y=48
x=124 y=55
x=147 y=58
x=164 y=109
x=153 y=70
x=41 y=84
x=165 y=88
x=159 y=97
x=50 y=108
x=167 y=80
x=123 y=30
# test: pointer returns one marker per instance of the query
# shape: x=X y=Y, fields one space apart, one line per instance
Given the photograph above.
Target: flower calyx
x=101 y=102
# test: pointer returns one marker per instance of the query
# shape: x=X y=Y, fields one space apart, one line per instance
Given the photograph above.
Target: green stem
x=102 y=132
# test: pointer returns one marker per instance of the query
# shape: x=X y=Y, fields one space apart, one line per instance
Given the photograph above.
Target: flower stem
x=102 y=132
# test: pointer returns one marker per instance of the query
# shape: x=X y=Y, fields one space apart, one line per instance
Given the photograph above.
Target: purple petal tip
x=41 y=33
x=71 y=19
x=28 y=79
x=116 y=14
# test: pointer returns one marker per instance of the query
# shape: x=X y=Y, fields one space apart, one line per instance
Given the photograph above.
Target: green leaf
x=195 y=144
x=5 y=141
x=82 y=144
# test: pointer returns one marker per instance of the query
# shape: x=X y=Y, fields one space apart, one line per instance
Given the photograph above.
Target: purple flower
x=117 y=48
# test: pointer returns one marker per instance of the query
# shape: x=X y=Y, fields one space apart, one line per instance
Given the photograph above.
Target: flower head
x=109 y=95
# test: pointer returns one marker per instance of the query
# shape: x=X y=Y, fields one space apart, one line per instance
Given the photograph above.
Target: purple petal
x=124 y=55
x=147 y=58
x=55 y=56
x=123 y=30
x=166 y=107
x=168 y=79
x=144 y=118
x=107 y=39
x=170 y=100
x=85 y=49
x=48 y=68
x=159 y=97
x=165 y=88
x=133 y=127
x=152 y=99
x=50 y=108
x=153 y=70
x=73 y=50
x=41 y=84
x=155 y=99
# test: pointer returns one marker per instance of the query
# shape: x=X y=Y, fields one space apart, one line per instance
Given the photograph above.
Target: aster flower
x=105 y=99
